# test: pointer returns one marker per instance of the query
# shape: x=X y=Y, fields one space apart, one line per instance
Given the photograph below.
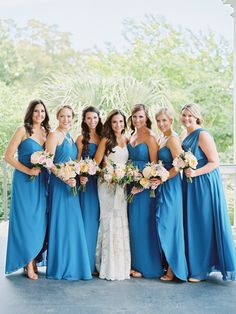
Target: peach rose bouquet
x=41 y=159
x=88 y=167
x=184 y=161
x=153 y=170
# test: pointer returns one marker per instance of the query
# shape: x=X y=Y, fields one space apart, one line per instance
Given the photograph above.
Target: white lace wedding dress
x=113 y=260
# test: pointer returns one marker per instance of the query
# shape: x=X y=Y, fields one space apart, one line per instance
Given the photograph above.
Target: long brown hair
x=135 y=109
x=28 y=122
x=85 y=128
x=109 y=133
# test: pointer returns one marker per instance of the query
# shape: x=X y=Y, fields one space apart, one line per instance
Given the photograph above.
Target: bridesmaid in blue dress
x=169 y=215
x=67 y=248
x=145 y=248
x=28 y=220
x=209 y=242
x=87 y=144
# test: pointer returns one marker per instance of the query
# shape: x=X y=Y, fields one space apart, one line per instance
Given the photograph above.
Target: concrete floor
x=19 y=295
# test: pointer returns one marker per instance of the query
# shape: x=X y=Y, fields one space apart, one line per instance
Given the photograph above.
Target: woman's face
x=91 y=119
x=187 y=119
x=117 y=123
x=39 y=114
x=139 y=119
x=163 y=122
x=65 y=118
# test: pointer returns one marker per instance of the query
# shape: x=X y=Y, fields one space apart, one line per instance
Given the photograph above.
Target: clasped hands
x=190 y=172
x=34 y=171
x=154 y=184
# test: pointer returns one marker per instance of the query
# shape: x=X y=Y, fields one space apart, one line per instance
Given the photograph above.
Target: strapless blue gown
x=145 y=248
x=90 y=210
x=67 y=248
x=169 y=218
x=28 y=218
x=208 y=235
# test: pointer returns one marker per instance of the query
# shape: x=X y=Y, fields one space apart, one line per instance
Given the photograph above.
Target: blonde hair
x=167 y=111
x=195 y=110
x=60 y=108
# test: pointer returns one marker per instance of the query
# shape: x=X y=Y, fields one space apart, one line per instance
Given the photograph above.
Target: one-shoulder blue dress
x=90 y=210
x=28 y=217
x=208 y=235
x=145 y=248
x=67 y=248
x=169 y=218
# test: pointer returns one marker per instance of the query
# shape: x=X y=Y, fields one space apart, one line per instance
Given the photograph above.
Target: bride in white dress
x=113 y=260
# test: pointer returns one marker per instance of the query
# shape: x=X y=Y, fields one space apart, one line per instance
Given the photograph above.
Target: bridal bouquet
x=184 y=161
x=153 y=170
x=68 y=170
x=41 y=159
x=88 y=167
x=113 y=173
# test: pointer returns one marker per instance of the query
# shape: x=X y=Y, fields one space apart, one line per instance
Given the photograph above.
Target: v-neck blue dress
x=169 y=217
x=28 y=217
x=67 y=248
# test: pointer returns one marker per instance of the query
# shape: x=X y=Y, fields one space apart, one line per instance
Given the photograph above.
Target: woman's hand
x=71 y=182
x=136 y=190
x=34 y=171
x=155 y=183
x=190 y=173
x=83 y=180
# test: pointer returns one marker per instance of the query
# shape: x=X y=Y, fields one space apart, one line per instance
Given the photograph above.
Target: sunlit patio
x=21 y=295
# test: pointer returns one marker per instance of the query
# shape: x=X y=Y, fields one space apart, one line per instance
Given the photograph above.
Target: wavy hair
x=85 y=128
x=28 y=121
x=135 y=109
x=109 y=133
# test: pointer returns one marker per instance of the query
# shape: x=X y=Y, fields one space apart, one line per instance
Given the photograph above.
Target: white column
x=232 y=3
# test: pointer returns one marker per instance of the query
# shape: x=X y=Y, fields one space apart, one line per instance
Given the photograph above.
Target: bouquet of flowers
x=68 y=170
x=153 y=170
x=88 y=167
x=41 y=159
x=113 y=173
x=134 y=176
x=184 y=161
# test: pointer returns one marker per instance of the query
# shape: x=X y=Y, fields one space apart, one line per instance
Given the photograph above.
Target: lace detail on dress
x=113 y=247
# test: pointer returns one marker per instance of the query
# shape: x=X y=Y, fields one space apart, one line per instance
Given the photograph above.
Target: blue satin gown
x=169 y=218
x=28 y=218
x=208 y=235
x=145 y=248
x=67 y=248
x=90 y=210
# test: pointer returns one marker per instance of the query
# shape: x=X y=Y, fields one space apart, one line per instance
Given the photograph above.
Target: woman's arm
x=207 y=144
x=82 y=180
x=175 y=148
x=152 y=148
x=51 y=145
x=100 y=151
x=12 y=147
x=79 y=145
